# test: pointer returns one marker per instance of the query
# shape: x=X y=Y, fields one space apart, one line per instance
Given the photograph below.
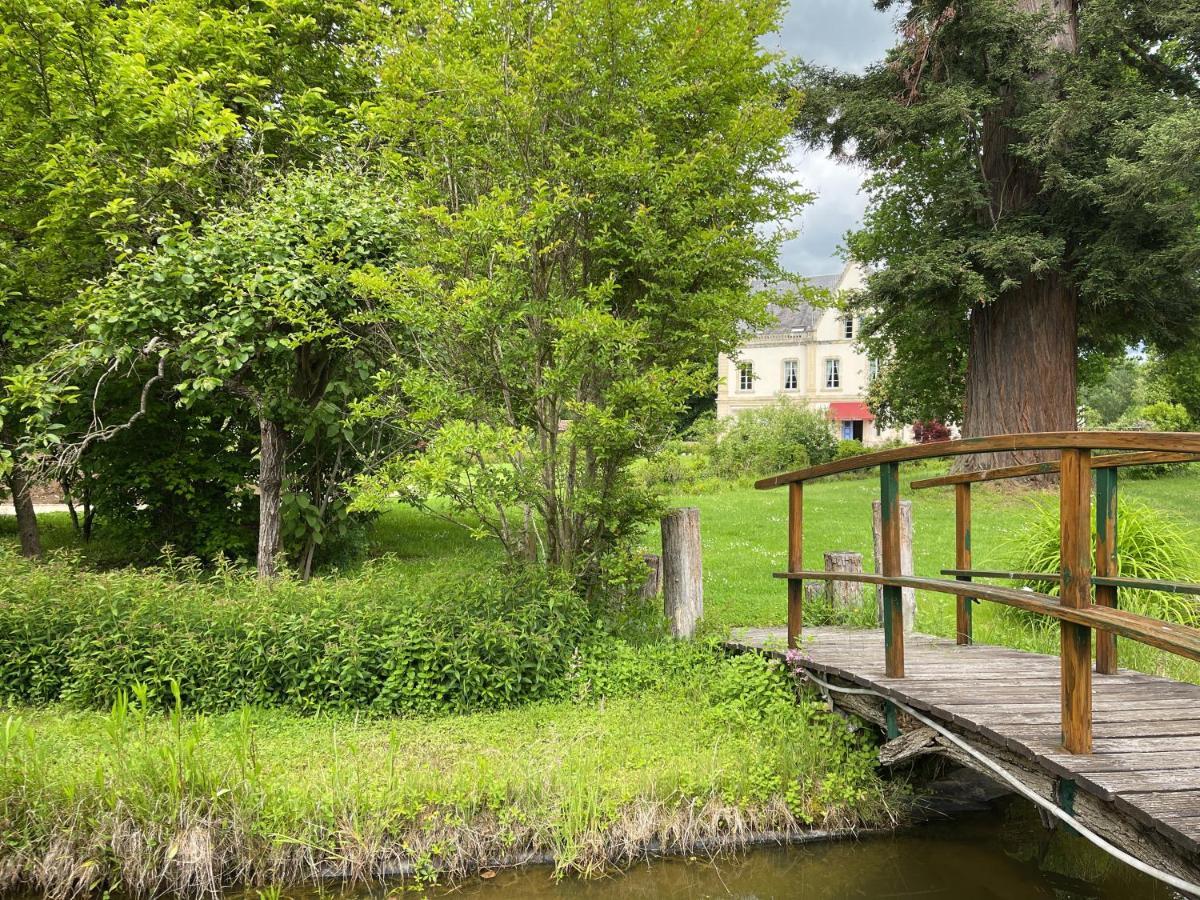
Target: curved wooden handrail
x=1158 y=441
x=1110 y=461
x=1179 y=639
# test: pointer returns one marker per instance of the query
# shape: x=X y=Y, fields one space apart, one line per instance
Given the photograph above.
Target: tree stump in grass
x=682 y=572
x=653 y=583
x=844 y=594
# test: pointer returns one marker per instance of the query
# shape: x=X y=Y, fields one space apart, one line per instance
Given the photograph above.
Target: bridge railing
x=1075 y=609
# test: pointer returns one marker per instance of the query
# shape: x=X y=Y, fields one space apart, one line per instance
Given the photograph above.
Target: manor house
x=807 y=355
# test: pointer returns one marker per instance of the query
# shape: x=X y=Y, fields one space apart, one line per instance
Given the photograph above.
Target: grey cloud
x=846 y=34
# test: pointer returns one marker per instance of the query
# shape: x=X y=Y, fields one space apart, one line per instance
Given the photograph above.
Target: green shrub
x=1149 y=545
x=378 y=642
x=849 y=448
x=680 y=466
x=775 y=438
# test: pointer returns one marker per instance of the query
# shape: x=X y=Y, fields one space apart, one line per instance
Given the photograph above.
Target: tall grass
x=1150 y=545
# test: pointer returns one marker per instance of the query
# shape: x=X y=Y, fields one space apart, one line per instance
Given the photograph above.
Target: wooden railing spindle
x=893 y=602
x=962 y=556
x=795 y=612
x=1076 y=640
x=1106 y=564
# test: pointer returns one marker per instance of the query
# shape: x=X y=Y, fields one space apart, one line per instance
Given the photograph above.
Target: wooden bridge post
x=1075 y=507
x=795 y=611
x=1106 y=564
x=962 y=555
x=893 y=604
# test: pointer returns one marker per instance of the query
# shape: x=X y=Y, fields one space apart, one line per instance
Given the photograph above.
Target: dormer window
x=848 y=327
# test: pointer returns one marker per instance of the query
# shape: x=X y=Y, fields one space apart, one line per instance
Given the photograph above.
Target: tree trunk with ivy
x=272 y=453
x=27 y=524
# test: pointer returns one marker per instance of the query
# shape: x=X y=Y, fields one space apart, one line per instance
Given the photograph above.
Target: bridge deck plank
x=1146 y=754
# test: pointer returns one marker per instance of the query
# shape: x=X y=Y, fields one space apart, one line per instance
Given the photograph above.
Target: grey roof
x=799 y=316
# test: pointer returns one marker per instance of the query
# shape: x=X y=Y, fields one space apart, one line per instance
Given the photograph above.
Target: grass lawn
x=744 y=534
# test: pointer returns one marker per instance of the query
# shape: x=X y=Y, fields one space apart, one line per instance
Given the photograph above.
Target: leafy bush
x=772 y=439
x=1164 y=416
x=377 y=642
x=930 y=432
x=678 y=466
x=849 y=448
x=1149 y=545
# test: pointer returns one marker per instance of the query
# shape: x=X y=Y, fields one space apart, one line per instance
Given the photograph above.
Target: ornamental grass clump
x=1150 y=544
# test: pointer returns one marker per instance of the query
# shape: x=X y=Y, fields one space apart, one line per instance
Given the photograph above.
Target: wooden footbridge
x=1121 y=750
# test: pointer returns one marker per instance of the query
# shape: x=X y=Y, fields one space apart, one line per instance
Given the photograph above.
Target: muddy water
x=1001 y=853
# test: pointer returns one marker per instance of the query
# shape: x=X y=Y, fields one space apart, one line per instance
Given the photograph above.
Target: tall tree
x=259 y=305
x=1007 y=226
x=119 y=120
x=598 y=180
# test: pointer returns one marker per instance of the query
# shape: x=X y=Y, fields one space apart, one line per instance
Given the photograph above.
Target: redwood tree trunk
x=27 y=524
x=1021 y=364
x=272 y=450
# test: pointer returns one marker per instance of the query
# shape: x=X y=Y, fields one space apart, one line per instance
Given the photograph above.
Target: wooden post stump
x=682 y=571
x=844 y=594
x=908 y=595
x=653 y=583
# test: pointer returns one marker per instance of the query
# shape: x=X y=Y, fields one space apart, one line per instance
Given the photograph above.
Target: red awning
x=842 y=412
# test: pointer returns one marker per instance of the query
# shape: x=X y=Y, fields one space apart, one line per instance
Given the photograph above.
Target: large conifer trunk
x=1021 y=369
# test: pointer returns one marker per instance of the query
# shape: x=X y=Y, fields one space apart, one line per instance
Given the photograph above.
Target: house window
x=791 y=375
x=848 y=327
x=872 y=369
x=833 y=374
x=746 y=376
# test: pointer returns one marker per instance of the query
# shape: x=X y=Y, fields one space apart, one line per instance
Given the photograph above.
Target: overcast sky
x=848 y=34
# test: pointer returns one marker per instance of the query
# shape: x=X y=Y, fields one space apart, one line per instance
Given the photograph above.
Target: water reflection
x=1002 y=853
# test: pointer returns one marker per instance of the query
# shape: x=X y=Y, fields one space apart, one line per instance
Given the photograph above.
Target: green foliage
x=776 y=438
x=1164 y=416
x=191 y=486
x=374 y=643
x=849 y=448
x=119 y=121
x=1111 y=393
x=1149 y=545
x=1175 y=377
x=679 y=467
x=254 y=314
x=591 y=222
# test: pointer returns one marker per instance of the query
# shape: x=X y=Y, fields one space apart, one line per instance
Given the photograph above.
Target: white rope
x=1174 y=881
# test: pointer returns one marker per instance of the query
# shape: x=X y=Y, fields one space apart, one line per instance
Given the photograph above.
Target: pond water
x=1004 y=852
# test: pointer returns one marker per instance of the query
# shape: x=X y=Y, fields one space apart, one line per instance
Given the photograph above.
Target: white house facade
x=807 y=355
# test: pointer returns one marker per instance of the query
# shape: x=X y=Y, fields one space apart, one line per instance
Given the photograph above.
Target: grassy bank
x=697 y=749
